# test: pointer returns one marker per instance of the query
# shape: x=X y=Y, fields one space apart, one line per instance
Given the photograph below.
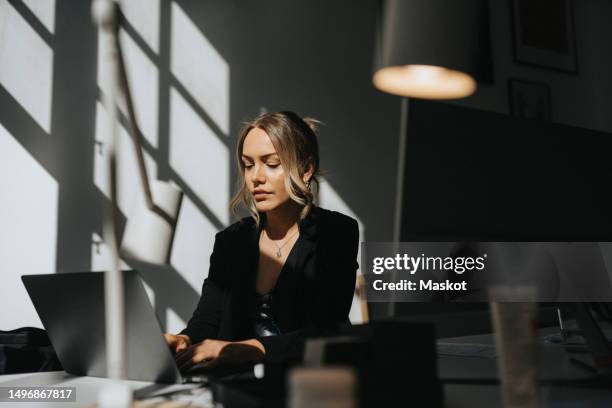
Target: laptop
x=71 y=308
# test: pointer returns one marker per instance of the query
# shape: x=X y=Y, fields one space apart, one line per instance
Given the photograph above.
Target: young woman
x=284 y=273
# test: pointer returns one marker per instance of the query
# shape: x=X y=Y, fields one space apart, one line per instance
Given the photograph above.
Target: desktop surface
x=467 y=382
x=468 y=379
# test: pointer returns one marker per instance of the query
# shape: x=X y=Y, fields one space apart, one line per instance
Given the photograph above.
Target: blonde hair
x=295 y=142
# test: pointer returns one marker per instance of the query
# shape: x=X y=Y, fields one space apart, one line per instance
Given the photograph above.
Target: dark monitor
x=473 y=175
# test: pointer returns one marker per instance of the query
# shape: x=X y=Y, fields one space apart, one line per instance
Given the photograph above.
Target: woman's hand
x=177 y=342
x=215 y=352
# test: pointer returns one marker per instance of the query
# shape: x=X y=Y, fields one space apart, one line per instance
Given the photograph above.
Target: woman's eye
x=247 y=166
x=273 y=165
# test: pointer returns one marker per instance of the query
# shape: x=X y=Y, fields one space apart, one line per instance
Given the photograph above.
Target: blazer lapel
x=290 y=288
x=305 y=250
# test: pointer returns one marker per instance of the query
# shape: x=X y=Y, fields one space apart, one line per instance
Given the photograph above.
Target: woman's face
x=263 y=173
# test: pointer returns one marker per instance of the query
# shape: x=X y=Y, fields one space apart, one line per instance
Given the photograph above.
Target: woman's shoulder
x=333 y=219
x=242 y=226
x=336 y=232
x=331 y=215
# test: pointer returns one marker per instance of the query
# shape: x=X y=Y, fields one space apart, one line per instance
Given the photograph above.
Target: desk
x=467 y=381
x=553 y=362
x=473 y=381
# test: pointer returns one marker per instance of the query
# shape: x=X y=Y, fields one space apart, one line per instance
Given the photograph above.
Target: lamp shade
x=432 y=49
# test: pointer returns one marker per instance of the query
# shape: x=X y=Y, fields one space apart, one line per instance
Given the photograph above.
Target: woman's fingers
x=196 y=359
x=207 y=351
x=171 y=339
x=215 y=352
x=194 y=355
x=185 y=355
x=180 y=346
x=175 y=342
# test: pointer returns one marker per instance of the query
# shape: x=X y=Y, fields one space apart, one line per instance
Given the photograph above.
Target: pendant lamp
x=432 y=49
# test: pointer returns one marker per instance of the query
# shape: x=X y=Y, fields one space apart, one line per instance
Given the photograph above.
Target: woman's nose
x=258 y=175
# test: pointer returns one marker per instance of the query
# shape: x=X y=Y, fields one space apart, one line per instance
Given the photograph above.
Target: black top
x=313 y=292
x=263 y=321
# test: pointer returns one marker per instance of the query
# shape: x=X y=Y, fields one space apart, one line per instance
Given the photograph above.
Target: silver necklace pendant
x=278 y=254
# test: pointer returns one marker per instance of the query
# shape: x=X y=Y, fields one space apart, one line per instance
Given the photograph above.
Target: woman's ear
x=308 y=174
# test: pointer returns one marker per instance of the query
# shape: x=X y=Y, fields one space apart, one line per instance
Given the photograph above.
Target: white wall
x=196 y=71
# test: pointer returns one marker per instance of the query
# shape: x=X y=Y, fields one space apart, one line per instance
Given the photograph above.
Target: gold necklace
x=278 y=251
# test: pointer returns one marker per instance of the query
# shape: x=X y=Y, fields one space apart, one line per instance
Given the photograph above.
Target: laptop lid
x=71 y=308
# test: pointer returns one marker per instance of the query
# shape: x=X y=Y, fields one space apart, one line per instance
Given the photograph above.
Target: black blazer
x=313 y=295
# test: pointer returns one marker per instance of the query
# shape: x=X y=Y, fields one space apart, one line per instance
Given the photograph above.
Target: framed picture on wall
x=543 y=34
x=529 y=99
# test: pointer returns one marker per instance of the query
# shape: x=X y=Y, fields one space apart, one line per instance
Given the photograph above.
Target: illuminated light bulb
x=424 y=81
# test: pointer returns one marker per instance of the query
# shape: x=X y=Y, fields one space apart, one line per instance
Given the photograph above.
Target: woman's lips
x=260 y=196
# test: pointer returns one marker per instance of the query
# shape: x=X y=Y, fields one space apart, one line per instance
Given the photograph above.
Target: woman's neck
x=282 y=220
